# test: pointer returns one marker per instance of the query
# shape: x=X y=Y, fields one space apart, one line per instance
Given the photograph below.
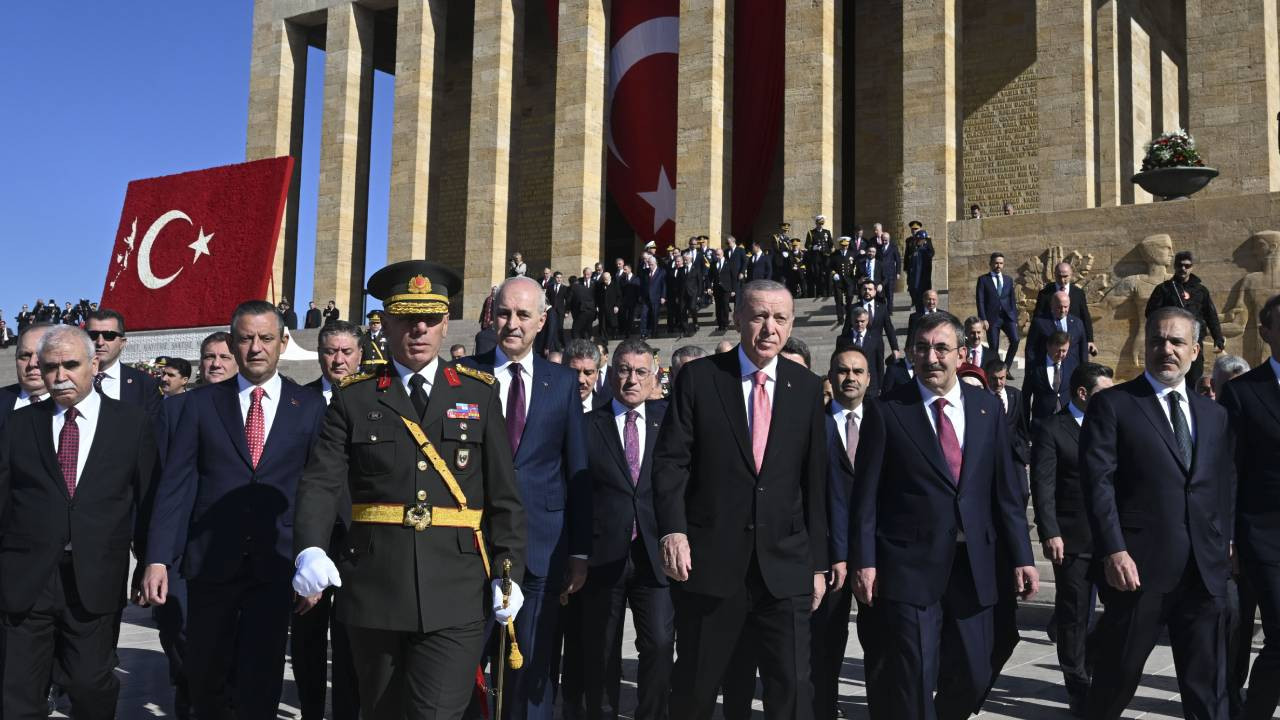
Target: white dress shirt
x=25 y=399
x=326 y=389
x=1275 y=369
x=501 y=371
x=590 y=403
x=841 y=415
x=748 y=372
x=270 y=401
x=88 y=411
x=1049 y=368
x=1162 y=393
x=1062 y=324
x=620 y=419
x=954 y=409
x=428 y=373
x=111 y=381
x=1076 y=413
x=997 y=282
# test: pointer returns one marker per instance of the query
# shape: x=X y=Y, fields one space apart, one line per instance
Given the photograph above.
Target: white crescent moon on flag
x=149 y=280
x=651 y=37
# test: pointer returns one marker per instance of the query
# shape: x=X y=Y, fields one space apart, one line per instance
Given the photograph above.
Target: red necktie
x=69 y=450
x=255 y=426
x=759 y=419
x=515 y=407
x=950 y=443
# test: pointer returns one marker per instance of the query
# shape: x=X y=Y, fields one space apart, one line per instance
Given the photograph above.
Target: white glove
x=315 y=572
x=514 y=602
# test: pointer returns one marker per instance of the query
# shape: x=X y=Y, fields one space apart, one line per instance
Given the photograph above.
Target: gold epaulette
x=353 y=379
x=480 y=375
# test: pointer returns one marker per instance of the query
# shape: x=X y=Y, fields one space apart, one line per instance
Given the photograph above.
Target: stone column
x=1169 y=117
x=419 y=53
x=929 y=127
x=701 y=190
x=1140 y=92
x=577 y=211
x=1110 y=175
x=809 y=147
x=1233 y=80
x=343 y=194
x=1064 y=46
x=489 y=166
x=277 y=86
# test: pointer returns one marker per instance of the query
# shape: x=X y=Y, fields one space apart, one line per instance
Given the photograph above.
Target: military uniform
x=843 y=275
x=415 y=572
x=819 y=246
x=373 y=346
x=780 y=250
x=797 y=279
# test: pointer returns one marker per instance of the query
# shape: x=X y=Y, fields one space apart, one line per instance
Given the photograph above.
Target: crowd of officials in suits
x=740 y=518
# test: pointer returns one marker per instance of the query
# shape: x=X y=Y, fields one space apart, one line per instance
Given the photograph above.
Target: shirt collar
x=112 y=372
x=838 y=411
x=501 y=361
x=428 y=373
x=1162 y=390
x=1275 y=367
x=953 y=396
x=272 y=386
x=325 y=385
x=1076 y=412
x=748 y=368
x=620 y=409
x=88 y=407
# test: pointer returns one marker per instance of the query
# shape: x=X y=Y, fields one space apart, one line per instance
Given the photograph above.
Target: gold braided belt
x=419 y=516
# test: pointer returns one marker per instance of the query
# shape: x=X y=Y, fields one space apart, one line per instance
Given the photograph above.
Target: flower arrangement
x=1171 y=149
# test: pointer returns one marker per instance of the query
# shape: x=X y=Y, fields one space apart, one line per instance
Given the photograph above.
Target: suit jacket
x=1079 y=306
x=911 y=324
x=551 y=466
x=877 y=274
x=1056 y=490
x=888 y=254
x=395 y=578
x=313 y=318
x=1253 y=402
x=36 y=512
x=653 y=285
x=1037 y=392
x=907 y=510
x=726 y=278
x=714 y=494
x=761 y=269
x=881 y=324
x=996 y=306
x=895 y=374
x=8 y=397
x=231 y=512
x=558 y=301
x=617 y=503
x=1019 y=428
x=840 y=474
x=919 y=264
x=291 y=319
x=1141 y=498
x=581 y=299
x=141 y=391
x=1040 y=330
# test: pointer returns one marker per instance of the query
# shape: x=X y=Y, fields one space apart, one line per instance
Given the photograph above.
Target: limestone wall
x=1105 y=245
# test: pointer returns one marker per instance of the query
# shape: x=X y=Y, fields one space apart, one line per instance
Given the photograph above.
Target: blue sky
x=133 y=89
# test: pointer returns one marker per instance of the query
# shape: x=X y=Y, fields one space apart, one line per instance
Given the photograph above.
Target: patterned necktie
x=857 y=338
x=851 y=436
x=97 y=383
x=631 y=442
x=1057 y=386
x=418 y=394
x=760 y=416
x=950 y=443
x=255 y=426
x=515 y=407
x=69 y=449
x=1181 y=433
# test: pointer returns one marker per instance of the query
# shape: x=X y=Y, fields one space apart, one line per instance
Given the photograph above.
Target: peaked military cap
x=415 y=287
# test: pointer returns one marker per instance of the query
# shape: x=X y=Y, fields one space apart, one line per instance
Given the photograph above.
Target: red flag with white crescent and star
x=640 y=141
x=192 y=246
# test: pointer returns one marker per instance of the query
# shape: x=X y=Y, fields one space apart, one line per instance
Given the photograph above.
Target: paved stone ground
x=1029 y=689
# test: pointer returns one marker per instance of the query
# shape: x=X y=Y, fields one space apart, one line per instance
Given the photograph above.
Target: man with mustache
x=73 y=472
x=1159 y=481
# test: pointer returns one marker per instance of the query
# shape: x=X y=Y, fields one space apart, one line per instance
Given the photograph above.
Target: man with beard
x=1185 y=290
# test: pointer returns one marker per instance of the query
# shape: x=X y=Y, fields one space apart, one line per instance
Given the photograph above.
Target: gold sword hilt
x=514 y=658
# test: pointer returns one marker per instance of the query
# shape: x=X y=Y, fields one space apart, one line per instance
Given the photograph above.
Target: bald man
x=1059 y=318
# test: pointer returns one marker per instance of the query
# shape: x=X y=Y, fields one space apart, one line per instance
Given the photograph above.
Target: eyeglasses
x=923 y=350
x=107 y=335
x=639 y=373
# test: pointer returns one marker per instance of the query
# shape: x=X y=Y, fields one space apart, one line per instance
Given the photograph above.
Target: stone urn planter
x=1174 y=183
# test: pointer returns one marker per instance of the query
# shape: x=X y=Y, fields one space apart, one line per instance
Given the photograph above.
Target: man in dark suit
x=551 y=338
x=331 y=313
x=1010 y=399
x=829 y=625
x=755 y=518
x=229 y=483
x=1063 y=273
x=998 y=308
x=879 y=329
x=30 y=387
x=859 y=335
x=1063 y=527
x=724 y=285
x=1048 y=385
x=918 y=262
x=626 y=560
x=313 y=316
x=679 y=297
x=543 y=412
x=937 y=492
x=1160 y=484
x=115 y=379
x=65 y=573
x=582 y=305
x=930 y=307
x=888 y=254
x=608 y=298
x=287 y=312
x=873 y=269
x=652 y=295
x=417 y=453
x=735 y=257
x=1060 y=318
x=842 y=268
x=1253 y=402
x=896 y=372
x=759 y=264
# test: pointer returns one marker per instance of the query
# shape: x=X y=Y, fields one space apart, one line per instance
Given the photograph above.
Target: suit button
x=751 y=526
x=760 y=489
x=463 y=437
x=373 y=438
x=422 y=465
x=422 y=495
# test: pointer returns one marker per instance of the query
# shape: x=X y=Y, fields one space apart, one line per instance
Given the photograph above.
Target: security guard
x=421 y=446
x=373 y=345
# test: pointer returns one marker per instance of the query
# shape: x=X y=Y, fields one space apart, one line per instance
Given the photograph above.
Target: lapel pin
x=129 y=380
x=984 y=412
x=294 y=402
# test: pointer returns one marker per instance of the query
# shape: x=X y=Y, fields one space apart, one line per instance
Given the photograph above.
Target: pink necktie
x=255 y=426
x=759 y=419
x=950 y=443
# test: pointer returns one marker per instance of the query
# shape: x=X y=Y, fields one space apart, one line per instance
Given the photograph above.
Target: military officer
x=420 y=449
x=373 y=346
x=843 y=274
x=818 y=242
x=780 y=250
x=797 y=280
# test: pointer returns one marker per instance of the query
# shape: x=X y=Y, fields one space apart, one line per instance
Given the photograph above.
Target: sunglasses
x=107 y=335
x=1184 y=265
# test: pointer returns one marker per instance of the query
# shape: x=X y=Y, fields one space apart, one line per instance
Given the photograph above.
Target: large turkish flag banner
x=192 y=246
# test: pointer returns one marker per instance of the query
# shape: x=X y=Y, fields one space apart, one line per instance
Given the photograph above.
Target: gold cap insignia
x=419 y=285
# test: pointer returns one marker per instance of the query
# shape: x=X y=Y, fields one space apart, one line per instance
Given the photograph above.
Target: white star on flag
x=662 y=199
x=201 y=246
